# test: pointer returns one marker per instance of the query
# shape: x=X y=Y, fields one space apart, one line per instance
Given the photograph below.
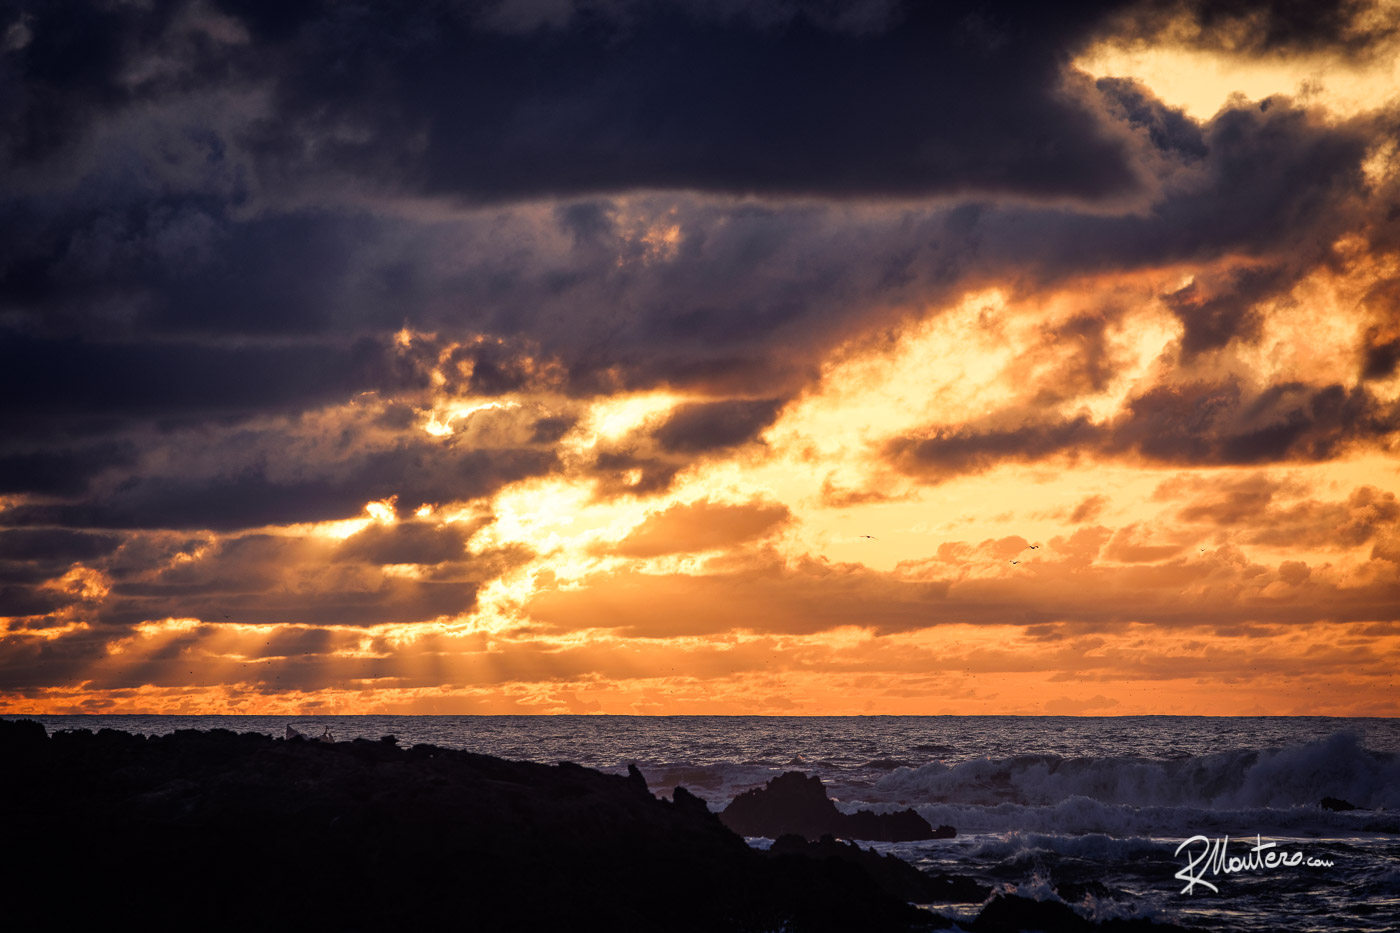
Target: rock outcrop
x=798 y=804
x=894 y=875
x=215 y=830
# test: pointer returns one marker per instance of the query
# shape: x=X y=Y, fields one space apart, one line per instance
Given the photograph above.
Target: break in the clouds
x=699 y=357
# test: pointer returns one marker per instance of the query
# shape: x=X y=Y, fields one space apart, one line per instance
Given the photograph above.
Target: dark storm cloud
x=42 y=662
x=744 y=301
x=291 y=642
x=76 y=386
x=1211 y=318
x=198 y=225
x=20 y=600
x=160 y=236
x=61 y=471
x=648 y=461
x=712 y=425
x=1276 y=180
x=654 y=95
x=54 y=544
x=409 y=543
x=1381 y=359
x=1270 y=512
x=1275 y=188
x=388 y=602
x=1093 y=366
x=549 y=430
x=969 y=450
x=1168 y=129
x=1221 y=424
x=415 y=471
x=1202 y=424
x=714 y=96
x=32 y=559
x=626 y=471
x=132 y=248
x=490 y=368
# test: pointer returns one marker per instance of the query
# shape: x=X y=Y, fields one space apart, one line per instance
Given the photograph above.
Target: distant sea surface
x=1086 y=810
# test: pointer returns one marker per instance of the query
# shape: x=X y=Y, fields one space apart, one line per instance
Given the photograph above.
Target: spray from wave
x=1337 y=766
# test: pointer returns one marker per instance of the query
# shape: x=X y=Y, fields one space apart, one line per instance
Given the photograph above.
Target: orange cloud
x=700 y=526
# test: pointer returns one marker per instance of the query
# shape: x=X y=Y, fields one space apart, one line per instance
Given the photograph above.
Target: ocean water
x=1090 y=811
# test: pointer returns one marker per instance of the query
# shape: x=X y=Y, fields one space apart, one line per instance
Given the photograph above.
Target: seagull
x=1033 y=547
x=871 y=537
x=1015 y=562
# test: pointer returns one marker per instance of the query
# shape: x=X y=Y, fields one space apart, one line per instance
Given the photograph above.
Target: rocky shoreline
x=218 y=830
x=797 y=804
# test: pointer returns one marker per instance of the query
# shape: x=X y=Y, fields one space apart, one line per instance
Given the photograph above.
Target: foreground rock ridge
x=202 y=830
x=221 y=831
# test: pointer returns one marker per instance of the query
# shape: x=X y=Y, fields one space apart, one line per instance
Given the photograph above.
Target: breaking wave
x=1337 y=766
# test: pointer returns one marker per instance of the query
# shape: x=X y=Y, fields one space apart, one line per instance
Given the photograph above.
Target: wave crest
x=1337 y=766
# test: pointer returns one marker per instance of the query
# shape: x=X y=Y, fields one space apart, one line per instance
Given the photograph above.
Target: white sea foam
x=1337 y=766
x=1080 y=816
x=1096 y=909
x=1094 y=846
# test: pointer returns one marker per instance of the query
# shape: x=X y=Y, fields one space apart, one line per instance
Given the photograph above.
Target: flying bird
x=1015 y=562
x=871 y=537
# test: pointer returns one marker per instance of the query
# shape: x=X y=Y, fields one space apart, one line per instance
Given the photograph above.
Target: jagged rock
x=687 y=802
x=244 y=831
x=902 y=826
x=24 y=734
x=892 y=874
x=796 y=803
x=637 y=779
x=1336 y=803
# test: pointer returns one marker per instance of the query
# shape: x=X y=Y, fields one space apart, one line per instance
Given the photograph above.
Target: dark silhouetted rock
x=638 y=781
x=22 y=735
x=1009 y=913
x=892 y=874
x=687 y=802
x=217 y=830
x=1075 y=891
x=796 y=803
x=1336 y=803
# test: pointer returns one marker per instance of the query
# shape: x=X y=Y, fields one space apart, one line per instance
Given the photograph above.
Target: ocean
x=1208 y=822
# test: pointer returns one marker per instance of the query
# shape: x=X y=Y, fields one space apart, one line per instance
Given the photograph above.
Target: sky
x=700 y=357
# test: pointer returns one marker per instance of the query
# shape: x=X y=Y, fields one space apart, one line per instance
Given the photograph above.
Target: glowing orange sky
x=1029 y=494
